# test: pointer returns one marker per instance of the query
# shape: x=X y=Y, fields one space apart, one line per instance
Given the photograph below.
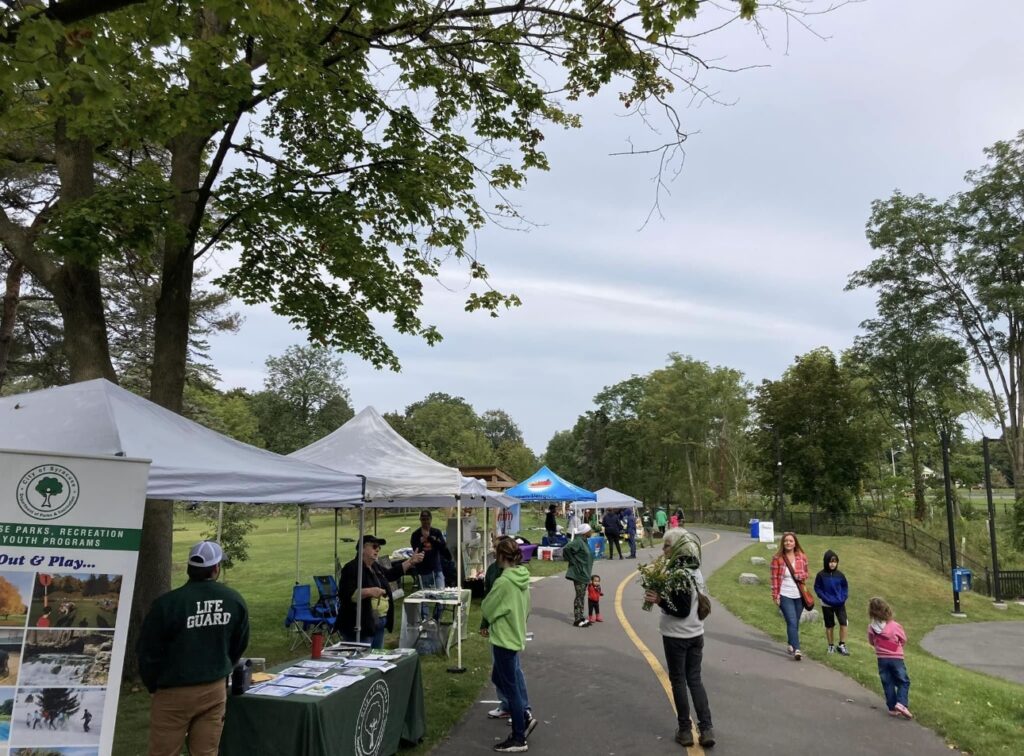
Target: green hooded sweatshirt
x=581 y=559
x=506 y=608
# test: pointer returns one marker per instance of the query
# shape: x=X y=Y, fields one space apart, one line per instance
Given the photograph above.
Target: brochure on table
x=70 y=528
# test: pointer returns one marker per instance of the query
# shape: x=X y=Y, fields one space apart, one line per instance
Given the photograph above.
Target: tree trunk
x=9 y=314
x=75 y=286
x=78 y=294
x=170 y=352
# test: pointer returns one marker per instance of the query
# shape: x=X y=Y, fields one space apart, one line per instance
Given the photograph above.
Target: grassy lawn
x=266 y=579
x=975 y=713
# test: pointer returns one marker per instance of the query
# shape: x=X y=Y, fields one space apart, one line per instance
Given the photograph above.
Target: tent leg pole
x=298 y=529
x=359 y=574
x=458 y=668
x=220 y=520
x=375 y=522
x=487 y=535
x=334 y=568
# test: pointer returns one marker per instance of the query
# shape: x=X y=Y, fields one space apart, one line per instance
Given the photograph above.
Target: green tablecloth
x=370 y=718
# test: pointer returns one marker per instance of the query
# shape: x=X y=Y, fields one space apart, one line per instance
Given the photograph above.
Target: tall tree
x=963 y=260
x=499 y=427
x=914 y=374
x=820 y=419
x=338 y=148
x=304 y=398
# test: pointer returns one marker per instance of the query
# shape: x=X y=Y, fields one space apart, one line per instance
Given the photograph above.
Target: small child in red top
x=594 y=594
x=888 y=639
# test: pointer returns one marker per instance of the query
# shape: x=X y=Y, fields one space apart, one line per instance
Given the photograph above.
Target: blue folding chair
x=303 y=618
x=327 y=605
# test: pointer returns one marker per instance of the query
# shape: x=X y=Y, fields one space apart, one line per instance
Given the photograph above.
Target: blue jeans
x=895 y=682
x=502 y=697
x=791 y=609
x=508 y=679
x=431 y=581
x=631 y=537
x=378 y=635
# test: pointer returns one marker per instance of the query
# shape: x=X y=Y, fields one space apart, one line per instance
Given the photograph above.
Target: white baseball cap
x=205 y=554
x=582 y=529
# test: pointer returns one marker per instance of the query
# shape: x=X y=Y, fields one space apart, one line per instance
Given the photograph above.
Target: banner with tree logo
x=70 y=528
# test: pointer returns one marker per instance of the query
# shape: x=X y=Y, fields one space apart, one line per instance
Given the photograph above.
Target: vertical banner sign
x=766 y=532
x=70 y=528
x=508 y=520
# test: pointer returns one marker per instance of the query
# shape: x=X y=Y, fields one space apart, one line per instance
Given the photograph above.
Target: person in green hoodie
x=190 y=641
x=581 y=563
x=494 y=569
x=506 y=608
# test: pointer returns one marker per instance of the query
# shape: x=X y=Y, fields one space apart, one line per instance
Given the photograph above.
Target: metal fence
x=906 y=536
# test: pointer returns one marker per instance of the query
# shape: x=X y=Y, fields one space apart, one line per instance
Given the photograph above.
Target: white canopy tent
x=398 y=475
x=608 y=498
x=190 y=462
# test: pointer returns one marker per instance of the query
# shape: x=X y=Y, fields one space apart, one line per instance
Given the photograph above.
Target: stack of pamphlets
x=322 y=677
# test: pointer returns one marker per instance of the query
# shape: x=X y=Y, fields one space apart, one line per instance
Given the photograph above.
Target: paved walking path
x=995 y=648
x=599 y=690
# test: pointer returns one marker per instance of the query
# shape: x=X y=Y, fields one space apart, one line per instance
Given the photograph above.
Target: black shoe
x=684 y=738
x=511 y=745
x=707 y=738
x=531 y=725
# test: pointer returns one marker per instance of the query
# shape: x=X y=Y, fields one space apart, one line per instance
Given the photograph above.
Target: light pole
x=944 y=440
x=778 y=479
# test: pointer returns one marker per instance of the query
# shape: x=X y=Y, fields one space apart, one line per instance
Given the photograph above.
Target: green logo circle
x=47 y=492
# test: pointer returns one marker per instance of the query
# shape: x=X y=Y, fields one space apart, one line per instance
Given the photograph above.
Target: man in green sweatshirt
x=190 y=641
x=581 y=563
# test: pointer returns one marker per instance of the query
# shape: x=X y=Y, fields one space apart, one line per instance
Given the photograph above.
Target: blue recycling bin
x=755 y=528
x=596 y=544
x=963 y=579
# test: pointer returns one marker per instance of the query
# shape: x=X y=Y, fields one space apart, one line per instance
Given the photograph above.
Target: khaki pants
x=195 y=712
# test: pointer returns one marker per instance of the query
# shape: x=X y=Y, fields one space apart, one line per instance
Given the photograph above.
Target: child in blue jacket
x=832 y=590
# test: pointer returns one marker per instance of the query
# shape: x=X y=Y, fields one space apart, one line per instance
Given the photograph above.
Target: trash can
x=962 y=579
x=596 y=544
x=755 y=528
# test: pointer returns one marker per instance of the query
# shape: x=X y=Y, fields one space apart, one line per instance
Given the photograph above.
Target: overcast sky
x=760 y=232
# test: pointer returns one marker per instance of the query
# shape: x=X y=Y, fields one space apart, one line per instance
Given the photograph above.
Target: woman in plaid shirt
x=785 y=591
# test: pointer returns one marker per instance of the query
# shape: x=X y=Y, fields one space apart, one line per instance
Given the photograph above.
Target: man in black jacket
x=190 y=641
x=378 y=610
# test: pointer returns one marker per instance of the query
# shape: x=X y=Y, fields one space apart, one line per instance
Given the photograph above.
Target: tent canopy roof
x=544 y=485
x=397 y=473
x=190 y=462
x=609 y=498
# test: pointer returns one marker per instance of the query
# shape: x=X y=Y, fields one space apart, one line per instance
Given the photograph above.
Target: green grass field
x=975 y=713
x=14 y=620
x=266 y=579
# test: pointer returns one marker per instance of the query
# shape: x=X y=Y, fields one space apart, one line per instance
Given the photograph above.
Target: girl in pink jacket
x=888 y=639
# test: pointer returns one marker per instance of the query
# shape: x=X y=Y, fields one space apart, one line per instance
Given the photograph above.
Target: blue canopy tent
x=545 y=485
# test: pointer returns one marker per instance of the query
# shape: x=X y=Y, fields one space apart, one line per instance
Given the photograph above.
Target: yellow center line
x=652 y=661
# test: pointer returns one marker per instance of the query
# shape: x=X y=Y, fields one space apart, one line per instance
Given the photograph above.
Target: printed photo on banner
x=6 y=709
x=15 y=596
x=69 y=751
x=57 y=716
x=10 y=654
x=56 y=657
x=77 y=599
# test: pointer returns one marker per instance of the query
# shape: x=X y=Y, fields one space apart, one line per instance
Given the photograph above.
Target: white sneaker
x=499 y=713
